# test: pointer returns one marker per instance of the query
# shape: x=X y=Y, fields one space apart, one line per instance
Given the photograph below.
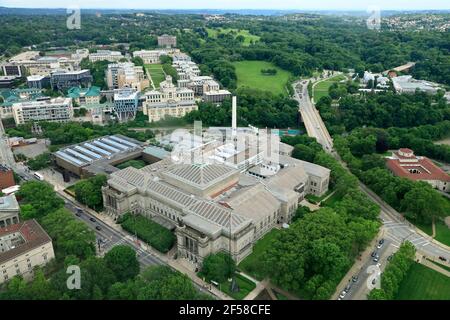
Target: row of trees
x=312 y=256
x=115 y=276
x=89 y=191
x=75 y=132
x=152 y=233
x=384 y=110
x=394 y=273
x=418 y=200
x=258 y=108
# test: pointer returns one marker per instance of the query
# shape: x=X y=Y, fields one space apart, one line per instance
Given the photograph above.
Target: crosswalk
x=399 y=232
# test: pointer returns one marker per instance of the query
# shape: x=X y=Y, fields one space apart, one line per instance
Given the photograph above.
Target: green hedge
x=148 y=231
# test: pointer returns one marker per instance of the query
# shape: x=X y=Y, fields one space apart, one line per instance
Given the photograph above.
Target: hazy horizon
x=343 y=5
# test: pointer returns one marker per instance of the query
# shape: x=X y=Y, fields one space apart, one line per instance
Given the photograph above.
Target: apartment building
x=57 y=109
x=23 y=246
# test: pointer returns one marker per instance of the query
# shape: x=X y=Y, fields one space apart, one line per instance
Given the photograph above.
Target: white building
x=149 y=56
x=108 y=55
x=23 y=246
x=406 y=84
x=57 y=109
x=168 y=101
x=125 y=103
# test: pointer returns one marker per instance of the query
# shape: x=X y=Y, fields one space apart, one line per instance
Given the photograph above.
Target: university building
x=169 y=100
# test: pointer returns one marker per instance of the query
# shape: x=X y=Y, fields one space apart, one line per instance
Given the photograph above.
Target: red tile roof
x=33 y=234
x=428 y=170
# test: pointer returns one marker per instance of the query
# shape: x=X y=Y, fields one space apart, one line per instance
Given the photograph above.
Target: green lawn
x=148 y=231
x=249 y=75
x=245 y=287
x=442 y=231
x=252 y=264
x=138 y=164
x=423 y=283
x=331 y=201
x=248 y=37
x=321 y=89
x=156 y=72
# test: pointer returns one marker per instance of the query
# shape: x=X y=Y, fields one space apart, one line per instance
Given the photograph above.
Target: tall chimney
x=233 y=116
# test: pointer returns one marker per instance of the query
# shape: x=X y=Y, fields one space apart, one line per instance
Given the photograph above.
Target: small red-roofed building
x=404 y=163
x=23 y=246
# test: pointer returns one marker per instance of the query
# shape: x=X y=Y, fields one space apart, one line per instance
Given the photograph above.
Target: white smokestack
x=233 y=115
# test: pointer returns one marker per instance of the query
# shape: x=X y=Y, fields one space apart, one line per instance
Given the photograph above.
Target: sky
x=235 y=4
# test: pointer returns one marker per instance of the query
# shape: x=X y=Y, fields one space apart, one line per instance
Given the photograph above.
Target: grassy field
x=156 y=72
x=249 y=75
x=423 y=283
x=252 y=264
x=321 y=89
x=248 y=37
x=442 y=231
x=245 y=287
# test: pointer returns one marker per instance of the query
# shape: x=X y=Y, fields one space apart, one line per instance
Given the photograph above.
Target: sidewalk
x=431 y=265
x=357 y=266
x=175 y=264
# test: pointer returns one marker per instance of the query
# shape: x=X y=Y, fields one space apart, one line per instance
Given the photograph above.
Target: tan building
x=167 y=41
x=23 y=246
x=215 y=207
x=168 y=101
x=126 y=75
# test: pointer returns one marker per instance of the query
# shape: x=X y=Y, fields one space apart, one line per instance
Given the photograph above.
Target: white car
x=342 y=295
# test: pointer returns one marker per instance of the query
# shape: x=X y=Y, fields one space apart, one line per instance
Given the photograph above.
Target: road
x=395 y=228
x=314 y=125
x=106 y=236
x=359 y=289
x=6 y=155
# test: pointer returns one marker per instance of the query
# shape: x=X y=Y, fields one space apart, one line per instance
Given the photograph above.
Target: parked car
x=355 y=278
x=374 y=253
x=98 y=228
x=342 y=295
x=348 y=287
x=376 y=258
x=442 y=258
x=390 y=257
x=92 y=219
